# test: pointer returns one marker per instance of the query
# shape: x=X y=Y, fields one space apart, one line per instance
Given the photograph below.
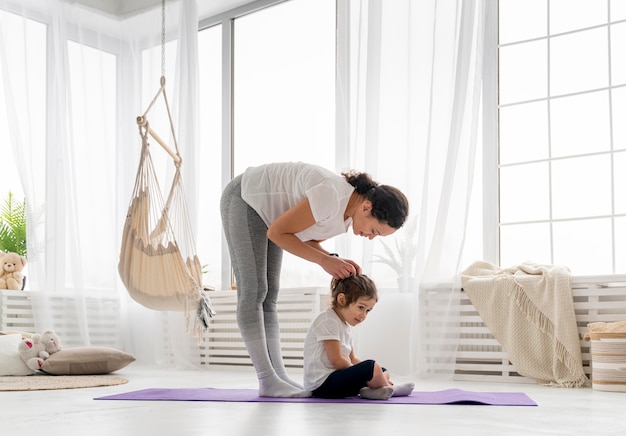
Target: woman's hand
x=340 y=268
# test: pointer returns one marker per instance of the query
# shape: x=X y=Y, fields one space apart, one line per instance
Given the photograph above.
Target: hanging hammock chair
x=158 y=262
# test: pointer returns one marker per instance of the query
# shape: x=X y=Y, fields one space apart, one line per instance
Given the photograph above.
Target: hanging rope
x=142 y=121
x=158 y=261
x=162 y=38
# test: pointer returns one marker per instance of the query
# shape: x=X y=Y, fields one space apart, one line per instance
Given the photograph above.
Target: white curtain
x=408 y=101
x=415 y=73
x=74 y=81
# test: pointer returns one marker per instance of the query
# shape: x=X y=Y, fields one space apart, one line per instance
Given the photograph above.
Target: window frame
x=492 y=224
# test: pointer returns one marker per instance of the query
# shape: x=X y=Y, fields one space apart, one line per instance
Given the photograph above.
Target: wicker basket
x=608 y=361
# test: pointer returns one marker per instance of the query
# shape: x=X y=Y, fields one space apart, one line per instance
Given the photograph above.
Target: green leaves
x=13 y=226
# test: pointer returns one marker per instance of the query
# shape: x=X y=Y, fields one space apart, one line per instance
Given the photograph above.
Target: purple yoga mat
x=449 y=396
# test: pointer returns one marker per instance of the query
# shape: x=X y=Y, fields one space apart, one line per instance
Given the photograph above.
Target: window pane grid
x=562 y=94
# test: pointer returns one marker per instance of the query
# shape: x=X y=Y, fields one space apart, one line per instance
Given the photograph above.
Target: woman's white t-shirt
x=317 y=367
x=274 y=188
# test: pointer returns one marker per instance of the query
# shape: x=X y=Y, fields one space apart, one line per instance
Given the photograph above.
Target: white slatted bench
x=481 y=357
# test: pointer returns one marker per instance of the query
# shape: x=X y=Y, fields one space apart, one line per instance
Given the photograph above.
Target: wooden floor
x=73 y=412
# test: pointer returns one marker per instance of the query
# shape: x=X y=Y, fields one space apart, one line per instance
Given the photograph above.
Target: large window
x=283 y=95
x=562 y=160
x=93 y=79
x=32 y=56
x=284 y=84
x=280 y=69
x=47 y=123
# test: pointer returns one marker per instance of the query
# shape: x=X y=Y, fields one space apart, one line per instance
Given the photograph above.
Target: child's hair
x=353 y=288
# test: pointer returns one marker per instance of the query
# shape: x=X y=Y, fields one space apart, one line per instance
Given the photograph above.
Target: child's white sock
x=377 y=394
x=403 y=390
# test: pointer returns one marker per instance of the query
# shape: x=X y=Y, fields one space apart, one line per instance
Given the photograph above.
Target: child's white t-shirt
x=274 y=188
x=317 y=366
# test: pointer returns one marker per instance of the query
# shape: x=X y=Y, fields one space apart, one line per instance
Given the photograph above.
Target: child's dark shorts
x=346 y=382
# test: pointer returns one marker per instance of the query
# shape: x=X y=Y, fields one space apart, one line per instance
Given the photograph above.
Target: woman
x=294 y=206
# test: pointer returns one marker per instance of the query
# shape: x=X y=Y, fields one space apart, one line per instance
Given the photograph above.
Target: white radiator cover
x=222 y=344
x=481 y=357
x=102 y=317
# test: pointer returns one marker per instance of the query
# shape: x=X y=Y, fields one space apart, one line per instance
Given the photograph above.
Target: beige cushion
x=86 y=360
x=10 y=361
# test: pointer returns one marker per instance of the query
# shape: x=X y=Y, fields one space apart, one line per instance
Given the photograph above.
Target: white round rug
x=46 y=382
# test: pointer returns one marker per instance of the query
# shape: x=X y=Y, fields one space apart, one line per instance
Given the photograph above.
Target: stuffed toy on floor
x=38 y=348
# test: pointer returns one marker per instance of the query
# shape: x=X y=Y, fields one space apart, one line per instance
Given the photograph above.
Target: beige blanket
x=530 y=311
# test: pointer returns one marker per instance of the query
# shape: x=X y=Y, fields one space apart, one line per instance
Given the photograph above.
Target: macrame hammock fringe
x=158 y=262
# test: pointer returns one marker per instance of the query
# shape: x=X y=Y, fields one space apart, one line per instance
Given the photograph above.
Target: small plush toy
x=11 y=266
x=38 y=348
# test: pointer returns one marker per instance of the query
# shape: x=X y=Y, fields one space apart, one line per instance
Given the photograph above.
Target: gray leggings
x=256 y=261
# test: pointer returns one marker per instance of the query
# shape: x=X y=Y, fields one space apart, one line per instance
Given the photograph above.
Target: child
x=331 y=370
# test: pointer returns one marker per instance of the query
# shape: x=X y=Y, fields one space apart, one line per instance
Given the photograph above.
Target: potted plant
x=13 y=225
x=401 y=254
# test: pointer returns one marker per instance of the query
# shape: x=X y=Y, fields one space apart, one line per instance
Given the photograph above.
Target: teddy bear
x=38 y=348
x=11 y=266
